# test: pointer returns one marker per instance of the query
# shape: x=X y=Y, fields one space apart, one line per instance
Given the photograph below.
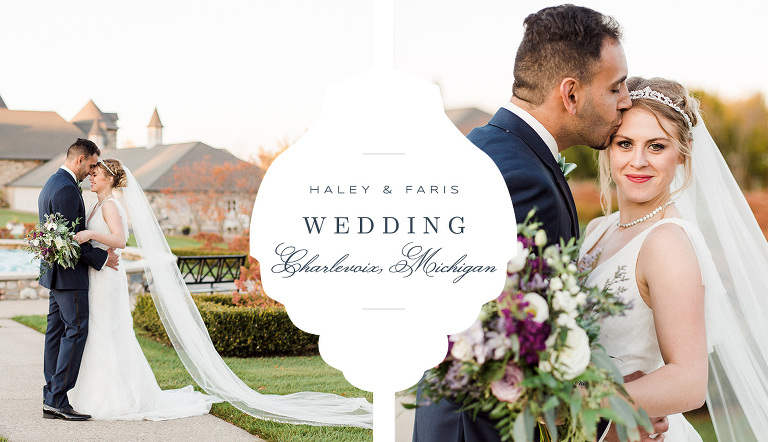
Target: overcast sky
x=244 y=74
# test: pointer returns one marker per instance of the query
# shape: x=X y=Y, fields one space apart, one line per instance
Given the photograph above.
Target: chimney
x=154 y=131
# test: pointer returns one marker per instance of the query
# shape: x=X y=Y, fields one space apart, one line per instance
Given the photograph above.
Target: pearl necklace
x=98 y=204
x=646 y=217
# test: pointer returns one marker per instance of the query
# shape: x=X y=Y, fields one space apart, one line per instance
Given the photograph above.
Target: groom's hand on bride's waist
x=113 y=259
x=660 y=424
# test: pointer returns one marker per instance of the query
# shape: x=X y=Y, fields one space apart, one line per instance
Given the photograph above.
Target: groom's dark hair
x=560 y=41
x=83 y=147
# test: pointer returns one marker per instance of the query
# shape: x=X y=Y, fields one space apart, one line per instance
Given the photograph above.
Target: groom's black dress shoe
x=65 y=413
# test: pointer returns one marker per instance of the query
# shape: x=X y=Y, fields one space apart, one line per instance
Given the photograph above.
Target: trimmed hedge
x=216 y=298
x=235 y=331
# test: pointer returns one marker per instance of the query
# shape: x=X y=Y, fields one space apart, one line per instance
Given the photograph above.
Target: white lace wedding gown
x=631 y=339
x=115 y=381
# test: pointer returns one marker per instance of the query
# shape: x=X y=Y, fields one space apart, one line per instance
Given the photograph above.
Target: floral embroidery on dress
x=588 y=260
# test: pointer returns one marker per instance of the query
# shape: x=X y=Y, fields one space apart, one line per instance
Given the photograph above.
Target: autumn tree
x=740 y=129
x=266 y=157
x=214 y=192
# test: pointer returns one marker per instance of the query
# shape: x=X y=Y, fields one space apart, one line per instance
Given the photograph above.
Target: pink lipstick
x=638 y=178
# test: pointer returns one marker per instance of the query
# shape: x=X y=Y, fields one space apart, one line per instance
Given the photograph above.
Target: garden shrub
x=250 y=292
x=216 y=298
x=236 y=331
x=209 y=240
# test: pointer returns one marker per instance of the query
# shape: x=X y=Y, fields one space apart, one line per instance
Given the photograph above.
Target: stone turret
x=97 y=134
x=107 y=121
x=154 y=131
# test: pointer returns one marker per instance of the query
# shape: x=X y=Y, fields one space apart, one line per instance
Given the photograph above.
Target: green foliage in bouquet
x=235 y=331
x=53 y=242
x=531 y=361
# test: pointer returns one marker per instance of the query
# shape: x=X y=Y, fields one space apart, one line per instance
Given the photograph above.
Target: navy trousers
x=443 y=422
x=64 y=343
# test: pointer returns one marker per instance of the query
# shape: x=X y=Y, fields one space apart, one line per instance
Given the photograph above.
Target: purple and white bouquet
x=530 y=361
x=53 y=242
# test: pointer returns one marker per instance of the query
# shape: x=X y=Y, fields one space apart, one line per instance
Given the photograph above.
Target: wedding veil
x=737 y=320
x=190 y=338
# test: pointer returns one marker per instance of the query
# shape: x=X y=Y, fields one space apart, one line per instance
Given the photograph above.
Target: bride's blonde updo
x=681 y=135
x=113 y=168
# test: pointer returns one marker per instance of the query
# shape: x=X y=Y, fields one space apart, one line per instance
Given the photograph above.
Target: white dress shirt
x=539 y=128
x=71 y=173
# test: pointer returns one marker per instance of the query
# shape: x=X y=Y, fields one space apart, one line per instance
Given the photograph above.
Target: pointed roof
x=153 y=168
x=35 y=135
x=91 y=112
x=155 y=120
x=2 y=104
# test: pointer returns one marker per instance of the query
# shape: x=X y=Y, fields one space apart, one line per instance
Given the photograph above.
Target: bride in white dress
x=681 y=340
x=115 y=381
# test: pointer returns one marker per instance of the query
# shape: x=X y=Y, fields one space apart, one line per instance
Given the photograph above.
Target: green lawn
x=703 y=423
x=278 y=375
x=180 y=242
x=283 y=375
x=23 y=217
x=174 y=242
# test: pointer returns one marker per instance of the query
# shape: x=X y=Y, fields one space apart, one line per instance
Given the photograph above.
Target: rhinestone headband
x=107 y=167
x=650 y=94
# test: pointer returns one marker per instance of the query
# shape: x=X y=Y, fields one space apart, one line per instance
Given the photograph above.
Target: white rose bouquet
x=53 y=242
x=530 y=361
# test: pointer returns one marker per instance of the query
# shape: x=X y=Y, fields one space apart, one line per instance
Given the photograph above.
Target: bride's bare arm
x=115 y=239
x=668 y=272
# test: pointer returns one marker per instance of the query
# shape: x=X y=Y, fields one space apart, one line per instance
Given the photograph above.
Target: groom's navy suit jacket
x=61 y=194
x=531 y=173
x=533 y=179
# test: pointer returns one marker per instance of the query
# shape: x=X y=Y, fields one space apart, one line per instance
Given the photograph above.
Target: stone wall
x=9 y=171
x=25 y=285
x=12 y=169
x=20 y=285
x=173 y=214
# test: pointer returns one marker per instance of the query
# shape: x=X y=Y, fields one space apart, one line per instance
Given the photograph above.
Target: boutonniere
x=80 y=186
x=566 y=168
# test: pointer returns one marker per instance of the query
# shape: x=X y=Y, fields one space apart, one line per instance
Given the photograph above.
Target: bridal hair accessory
x=646 y=217
x=107 y=167
x=650 y=94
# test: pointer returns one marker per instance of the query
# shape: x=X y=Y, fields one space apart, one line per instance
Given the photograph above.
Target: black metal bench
x=213 y=269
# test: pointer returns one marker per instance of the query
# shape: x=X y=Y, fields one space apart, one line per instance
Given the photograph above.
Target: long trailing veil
x=737 y=319
x=190 y=338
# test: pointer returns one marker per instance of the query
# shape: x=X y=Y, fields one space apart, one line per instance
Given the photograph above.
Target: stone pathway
x=21 y=381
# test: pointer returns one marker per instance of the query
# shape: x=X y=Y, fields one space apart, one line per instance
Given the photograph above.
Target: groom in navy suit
x=68 y=300
x=569 y=90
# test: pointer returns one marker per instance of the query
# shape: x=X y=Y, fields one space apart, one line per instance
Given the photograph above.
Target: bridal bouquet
x=53 y=242
x=530 y=361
